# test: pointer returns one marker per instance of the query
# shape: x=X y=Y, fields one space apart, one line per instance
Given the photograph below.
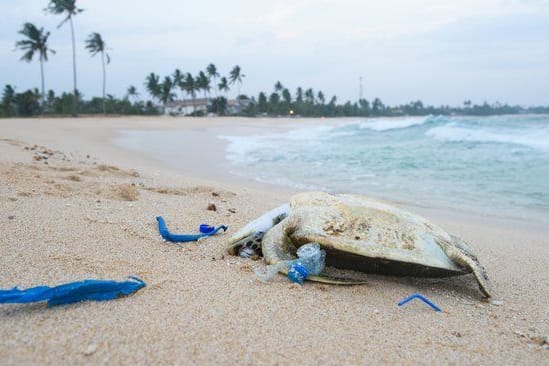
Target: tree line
x=190 y=86
x=305 y=103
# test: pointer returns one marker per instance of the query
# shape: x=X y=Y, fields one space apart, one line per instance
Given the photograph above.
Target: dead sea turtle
x=358 y=233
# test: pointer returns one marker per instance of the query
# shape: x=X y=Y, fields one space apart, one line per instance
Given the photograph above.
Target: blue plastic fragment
x=298 y=273
x=422 y=298
x=98 y=290
x=205 y=230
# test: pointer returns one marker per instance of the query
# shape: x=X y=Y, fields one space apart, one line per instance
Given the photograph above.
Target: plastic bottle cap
x=298 y=273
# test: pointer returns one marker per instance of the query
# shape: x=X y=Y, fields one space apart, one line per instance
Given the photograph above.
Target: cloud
x=403 y=50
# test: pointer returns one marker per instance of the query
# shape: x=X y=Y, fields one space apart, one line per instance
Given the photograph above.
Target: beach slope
x=75 y=206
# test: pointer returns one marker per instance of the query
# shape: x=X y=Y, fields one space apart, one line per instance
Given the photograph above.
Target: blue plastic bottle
x=310 y=262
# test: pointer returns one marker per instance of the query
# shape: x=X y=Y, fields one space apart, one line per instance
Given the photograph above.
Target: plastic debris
x=205 y=230
x=298 y=273
x=97 y=290
x=310 y=261
x=271 y=270
x=422 y=298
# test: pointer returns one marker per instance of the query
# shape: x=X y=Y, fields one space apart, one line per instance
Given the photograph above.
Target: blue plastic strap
x=422 y=298
x=98 y=290
x=205 y=230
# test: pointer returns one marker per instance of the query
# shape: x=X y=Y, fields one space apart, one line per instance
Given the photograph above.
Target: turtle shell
x=364 y=234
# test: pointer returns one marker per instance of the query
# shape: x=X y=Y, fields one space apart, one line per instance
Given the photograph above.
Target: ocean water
x=496 y=166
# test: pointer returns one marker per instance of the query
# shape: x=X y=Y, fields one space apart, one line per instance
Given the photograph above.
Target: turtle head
x=247 y=241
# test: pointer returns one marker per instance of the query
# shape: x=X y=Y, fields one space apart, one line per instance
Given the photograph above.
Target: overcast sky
x=442 y=52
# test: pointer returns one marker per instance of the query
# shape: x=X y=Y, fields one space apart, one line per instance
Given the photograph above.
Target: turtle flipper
x=463 y=255
x=331 y=280
x=335 y=280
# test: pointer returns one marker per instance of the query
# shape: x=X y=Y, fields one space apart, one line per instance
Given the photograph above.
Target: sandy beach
x=73 y=205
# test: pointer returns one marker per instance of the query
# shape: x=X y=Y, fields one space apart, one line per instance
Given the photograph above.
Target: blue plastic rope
x=422 y=298
x=98 y=290
x=205 y=230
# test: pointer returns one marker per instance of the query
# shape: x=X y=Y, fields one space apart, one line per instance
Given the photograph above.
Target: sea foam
x=386 y=124
x=536 y=138
x=494 y=165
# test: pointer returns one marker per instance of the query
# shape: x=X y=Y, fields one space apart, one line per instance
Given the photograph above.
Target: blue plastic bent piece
x=205 y=230
x=422 y=298
x=98 y=290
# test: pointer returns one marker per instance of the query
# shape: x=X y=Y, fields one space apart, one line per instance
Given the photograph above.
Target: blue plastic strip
x=205 y=230
x=98 y=290
x=422 y=298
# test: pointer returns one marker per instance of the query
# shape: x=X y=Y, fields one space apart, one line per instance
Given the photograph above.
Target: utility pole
x=360 y=89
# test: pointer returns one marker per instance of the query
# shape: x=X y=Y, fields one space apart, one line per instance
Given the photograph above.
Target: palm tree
x=9 y=100
x=377 y=106
x=190 y=87
x=211 y=70
x=321 y=98
x=69 y=9
x=36 y=41
x=236 y=77
x=132 y=92
x=178 y=78
x=166 y=94
x=152 y=84
x=274 y=101
x=51 y=100
x=299 y=95
x=286 y=96
x=223 y=85
x=262 y=104
x=278 y=86
x=309 y=96
x=203 y=82
x=95 y=44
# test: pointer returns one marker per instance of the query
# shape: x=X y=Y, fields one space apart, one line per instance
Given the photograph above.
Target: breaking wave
x=387 y=124
x=497 y=164
x=535 y=138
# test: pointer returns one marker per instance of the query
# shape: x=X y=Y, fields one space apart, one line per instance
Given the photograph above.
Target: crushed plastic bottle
x=271 y=270
x=310 y=262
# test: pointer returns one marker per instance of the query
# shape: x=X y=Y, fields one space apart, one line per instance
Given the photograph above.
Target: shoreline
x=215 y=166
x=87 y=211
x=207 y=168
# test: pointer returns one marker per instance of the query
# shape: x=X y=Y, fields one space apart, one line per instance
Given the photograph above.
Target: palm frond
x=67 y=7
x=95 y=43
x=27 y=56
x=36 y=41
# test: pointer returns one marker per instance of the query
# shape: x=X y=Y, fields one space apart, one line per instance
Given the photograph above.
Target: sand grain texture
x=72 y=206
